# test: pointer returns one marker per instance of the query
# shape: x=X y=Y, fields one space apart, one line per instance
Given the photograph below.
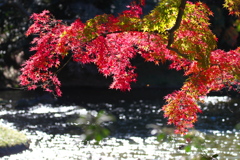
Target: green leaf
x=161 y=136
x=188 y=148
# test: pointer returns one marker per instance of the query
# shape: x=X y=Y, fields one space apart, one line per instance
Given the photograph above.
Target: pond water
x=52 y=126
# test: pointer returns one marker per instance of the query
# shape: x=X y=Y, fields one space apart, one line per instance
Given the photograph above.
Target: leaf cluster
x=175 y=30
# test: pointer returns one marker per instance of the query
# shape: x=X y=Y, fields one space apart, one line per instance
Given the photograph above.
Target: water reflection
x=55 y=134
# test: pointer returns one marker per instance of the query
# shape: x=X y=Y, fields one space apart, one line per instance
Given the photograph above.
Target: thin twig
x=64 y=64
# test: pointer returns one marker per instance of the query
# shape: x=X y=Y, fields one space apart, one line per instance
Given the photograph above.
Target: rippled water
x=55 y=135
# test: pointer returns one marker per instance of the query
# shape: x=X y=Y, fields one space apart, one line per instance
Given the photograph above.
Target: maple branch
x=175 y=27
x=64 y=65
x=170 y=31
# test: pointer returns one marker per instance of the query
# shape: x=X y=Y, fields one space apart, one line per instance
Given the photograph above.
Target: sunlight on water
x=68 y=145
x=40 y=109
x=216 y=99
x=60 y=147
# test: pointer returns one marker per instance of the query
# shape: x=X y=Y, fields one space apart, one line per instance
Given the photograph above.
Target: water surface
x=51 y=126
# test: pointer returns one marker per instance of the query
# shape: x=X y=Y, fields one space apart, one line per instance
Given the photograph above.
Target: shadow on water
x=47 y=120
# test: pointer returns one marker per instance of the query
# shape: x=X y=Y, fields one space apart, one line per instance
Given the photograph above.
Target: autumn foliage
x=175 y=30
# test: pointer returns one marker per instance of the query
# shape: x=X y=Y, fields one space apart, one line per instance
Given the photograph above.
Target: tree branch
x=170 y=31
x=175 y=27
x=64 y=64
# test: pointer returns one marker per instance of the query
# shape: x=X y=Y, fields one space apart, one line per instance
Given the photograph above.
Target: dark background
x=14 y=45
